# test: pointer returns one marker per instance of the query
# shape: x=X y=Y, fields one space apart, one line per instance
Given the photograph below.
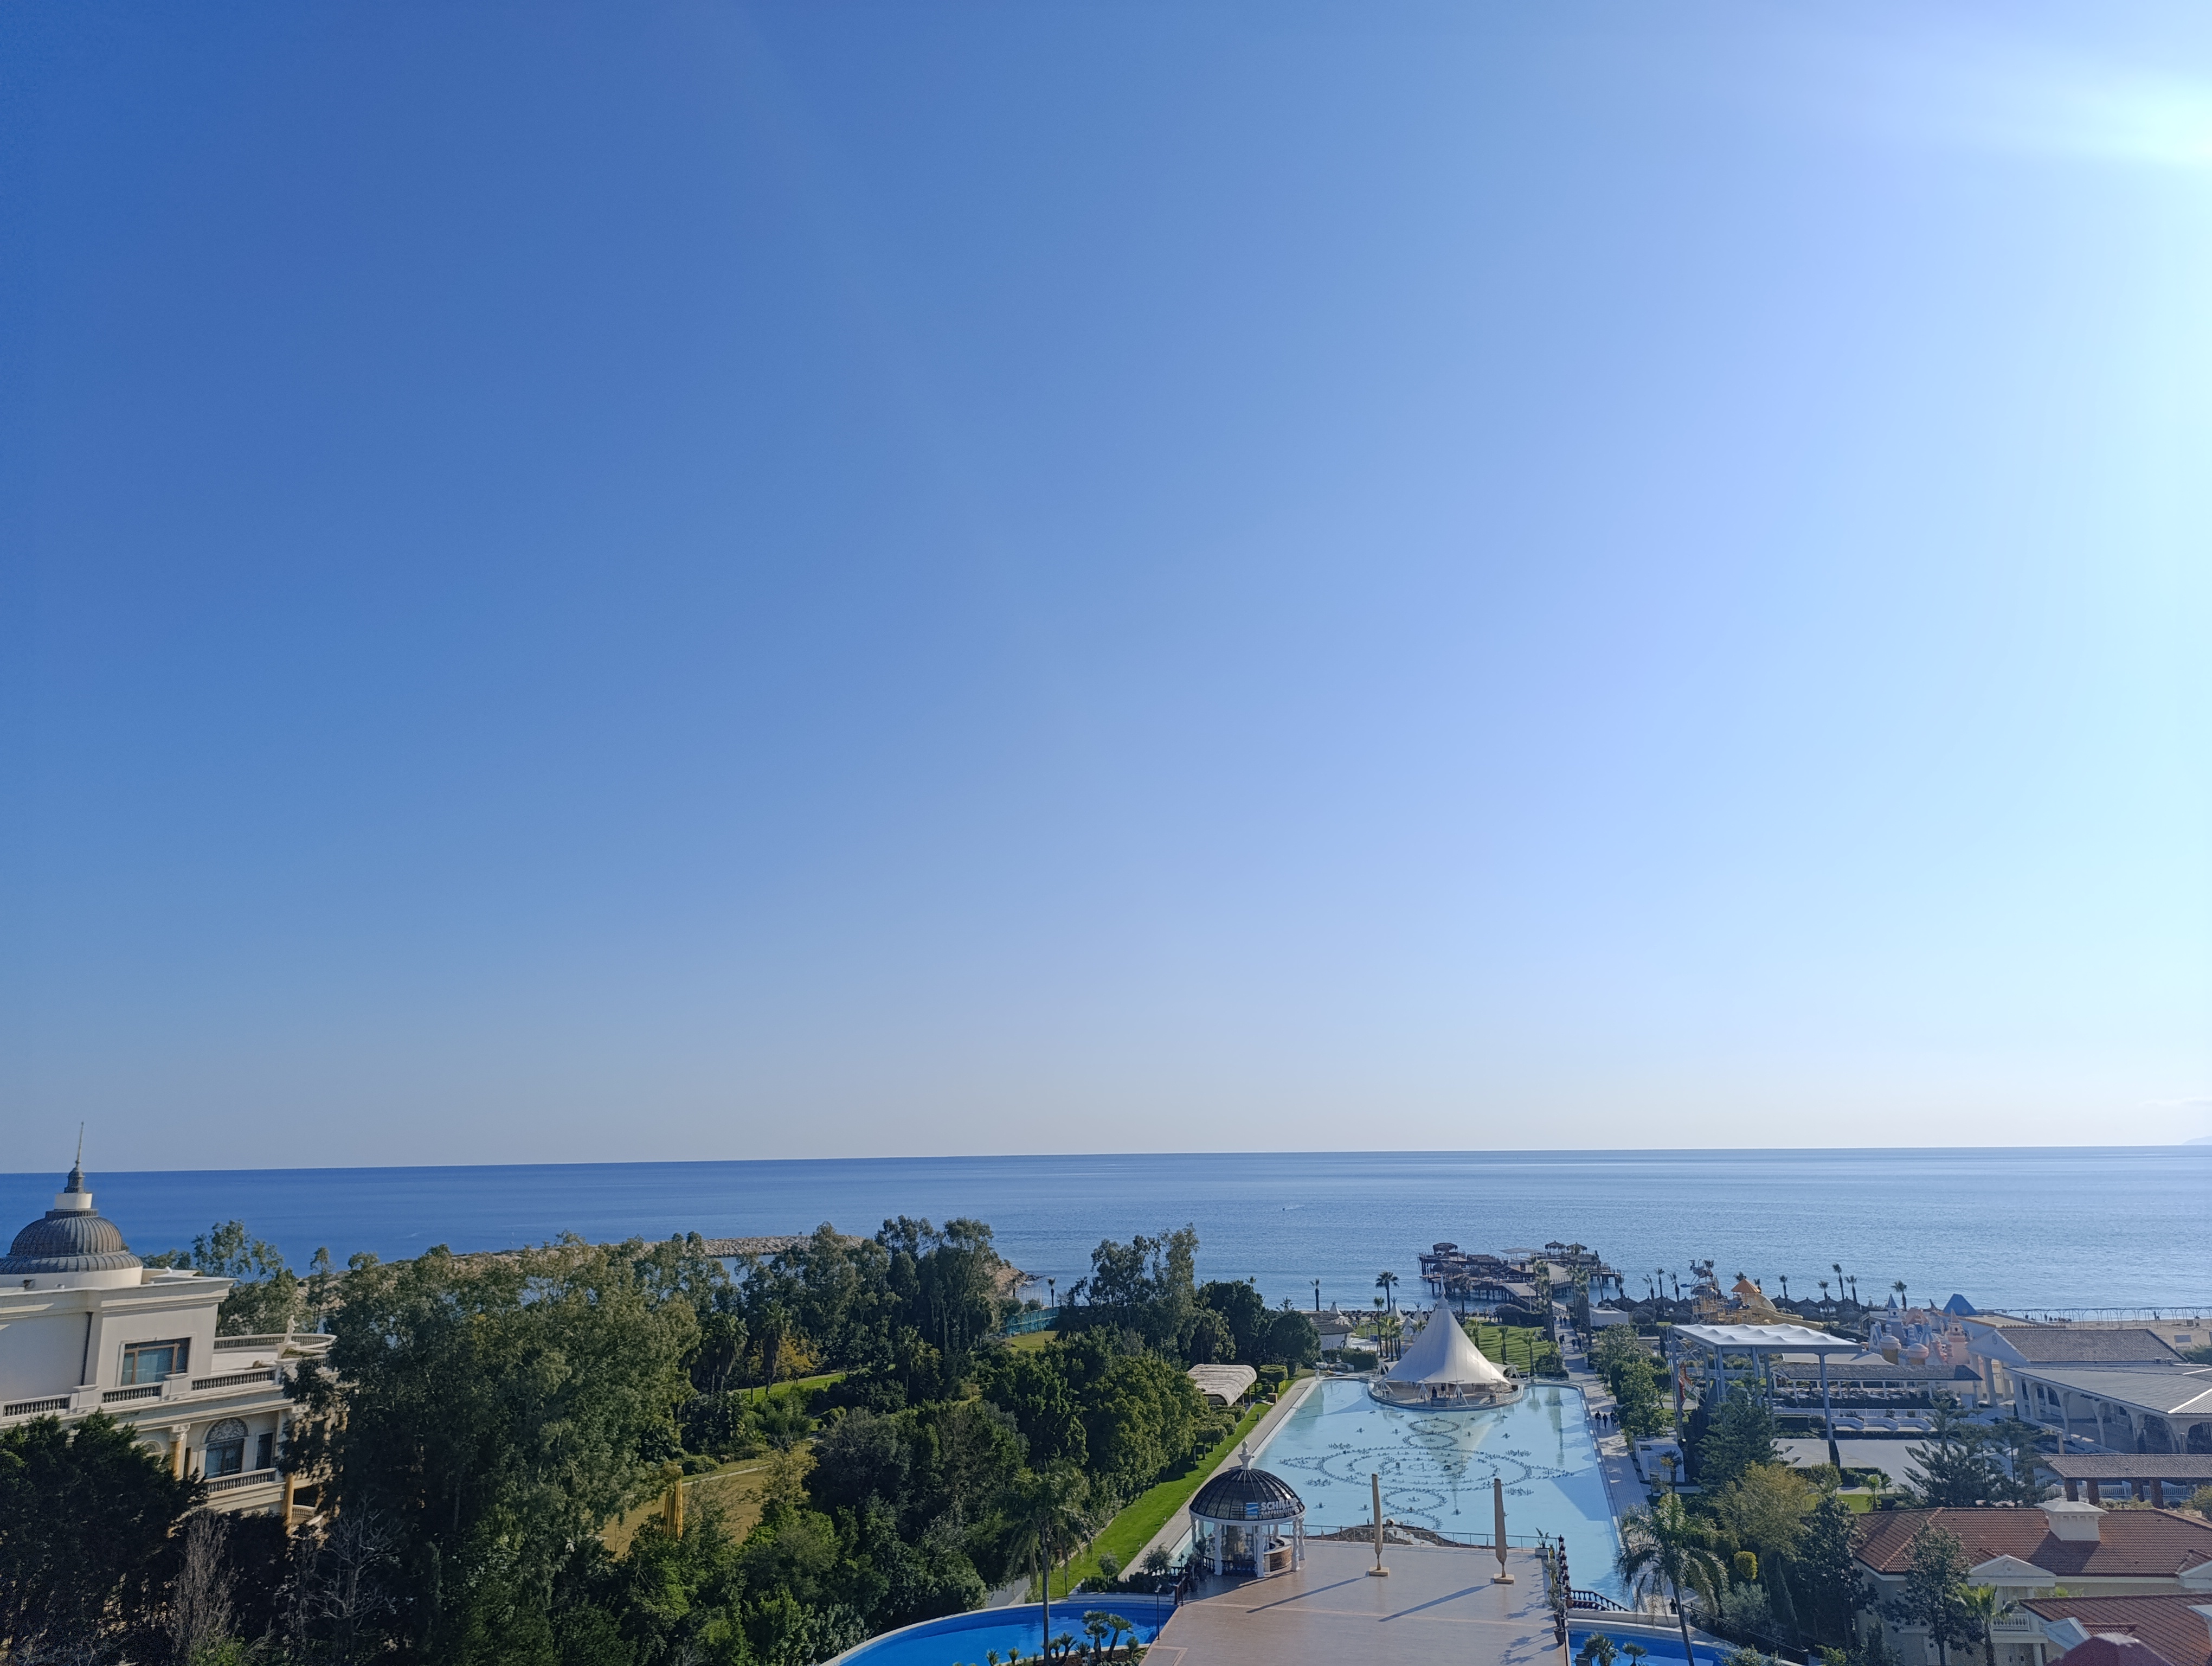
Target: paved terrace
x=1437 y=1605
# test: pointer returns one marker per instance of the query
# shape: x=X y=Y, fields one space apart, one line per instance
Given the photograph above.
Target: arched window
x=2200 y=1437
x=2157 y=1438
x=226 y=1449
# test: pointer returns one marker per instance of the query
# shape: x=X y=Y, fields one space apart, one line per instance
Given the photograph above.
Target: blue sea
x=2041 y=1228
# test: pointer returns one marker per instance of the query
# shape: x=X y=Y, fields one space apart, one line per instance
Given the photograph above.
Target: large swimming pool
x=1436 y=1468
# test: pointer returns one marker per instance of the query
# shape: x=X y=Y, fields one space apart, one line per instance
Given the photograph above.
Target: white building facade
x=85 y=1327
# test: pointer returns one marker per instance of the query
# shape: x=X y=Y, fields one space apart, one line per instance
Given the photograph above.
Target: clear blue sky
x=718 y=580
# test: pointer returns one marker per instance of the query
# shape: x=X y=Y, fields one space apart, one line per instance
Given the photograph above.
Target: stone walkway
x=1624 y=1489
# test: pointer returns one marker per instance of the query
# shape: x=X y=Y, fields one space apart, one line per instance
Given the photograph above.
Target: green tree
x=1668 y=1551
x=1641 y=1408
x=85 y=1515
x=1244 y=1311
x=1740 y=1434
x=1954 y=1468
x=1983 y=1608
x=1209 y=1342
x=498 y=1409
x=1048 y=1515
x=1148 y=1285
x=265 y=1295
x=947 y=1281
x=1934 y=1597
x=1767 y=1507
x=1292 y=1342
x=1828 y=1569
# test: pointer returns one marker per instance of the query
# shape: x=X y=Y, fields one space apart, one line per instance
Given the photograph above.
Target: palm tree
x=1095 y=1627
x=1635 y=1651
x=1316 y=1285
x=1783 y=1279
x=1388 y=1284
x=1824 y=1293
x=1899 y=1287
x=1984 y=1608
x=1666 y=1549
x=1048 y=1511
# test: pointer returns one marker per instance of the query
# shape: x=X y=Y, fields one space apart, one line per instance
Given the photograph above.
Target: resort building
x=2119 y=1407
x=2149 y=1478
x=85 y=1327
x=2030 y=1552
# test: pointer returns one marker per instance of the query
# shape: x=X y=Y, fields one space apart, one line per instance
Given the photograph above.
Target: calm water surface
x=2059 y=1228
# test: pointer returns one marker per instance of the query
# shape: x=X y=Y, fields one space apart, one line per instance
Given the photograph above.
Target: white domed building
x=86 y=1327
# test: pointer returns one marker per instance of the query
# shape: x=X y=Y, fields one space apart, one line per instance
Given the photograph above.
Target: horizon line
x=1505 y=1152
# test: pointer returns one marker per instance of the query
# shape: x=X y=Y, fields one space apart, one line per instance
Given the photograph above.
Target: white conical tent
x=1442 y=1353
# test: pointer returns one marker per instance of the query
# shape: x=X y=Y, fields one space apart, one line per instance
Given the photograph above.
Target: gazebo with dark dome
x=1248 y=1521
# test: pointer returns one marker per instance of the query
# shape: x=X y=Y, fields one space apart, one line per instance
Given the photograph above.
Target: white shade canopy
x=1442 y=1353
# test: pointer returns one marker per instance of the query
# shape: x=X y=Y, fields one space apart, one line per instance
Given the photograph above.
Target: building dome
x=1246 y=1494
x=69 y=1237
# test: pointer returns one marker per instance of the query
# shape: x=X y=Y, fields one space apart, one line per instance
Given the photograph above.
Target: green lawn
x=1523 y=1347
x=1132 y=1529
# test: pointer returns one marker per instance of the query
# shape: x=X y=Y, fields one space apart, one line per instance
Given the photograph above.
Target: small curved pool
x=967 y=1640
x=1665 y=1651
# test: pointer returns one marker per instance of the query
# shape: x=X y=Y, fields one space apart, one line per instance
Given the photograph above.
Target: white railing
x=251 y=1478
x=113 y=1396
x=235 y=1379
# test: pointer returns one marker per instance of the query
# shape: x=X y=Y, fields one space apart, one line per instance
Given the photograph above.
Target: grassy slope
x=1132 y=1529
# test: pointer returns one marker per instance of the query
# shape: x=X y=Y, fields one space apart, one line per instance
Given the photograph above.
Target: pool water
x=965 y=1639
x=1436 y=1468
x=1662 y=1651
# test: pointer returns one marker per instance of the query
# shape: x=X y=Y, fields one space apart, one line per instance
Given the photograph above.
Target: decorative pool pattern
x=1436 y=1468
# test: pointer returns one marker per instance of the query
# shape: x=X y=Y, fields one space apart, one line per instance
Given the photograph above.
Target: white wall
x=39 y=1354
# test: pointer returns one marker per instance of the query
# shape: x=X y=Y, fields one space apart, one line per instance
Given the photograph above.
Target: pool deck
x=1437 y=1605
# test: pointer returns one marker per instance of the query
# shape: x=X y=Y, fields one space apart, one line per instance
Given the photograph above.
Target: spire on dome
x=73 y=1194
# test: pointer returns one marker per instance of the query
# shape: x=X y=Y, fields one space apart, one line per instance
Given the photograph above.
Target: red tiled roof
x=2134 y=1544
x=2165 y=1623
x=2116 y=1651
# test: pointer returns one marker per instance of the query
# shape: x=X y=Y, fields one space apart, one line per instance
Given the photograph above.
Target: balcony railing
x=251 y=1478
x=115 y=1396
x=34 y=1407
x=237 y=1379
